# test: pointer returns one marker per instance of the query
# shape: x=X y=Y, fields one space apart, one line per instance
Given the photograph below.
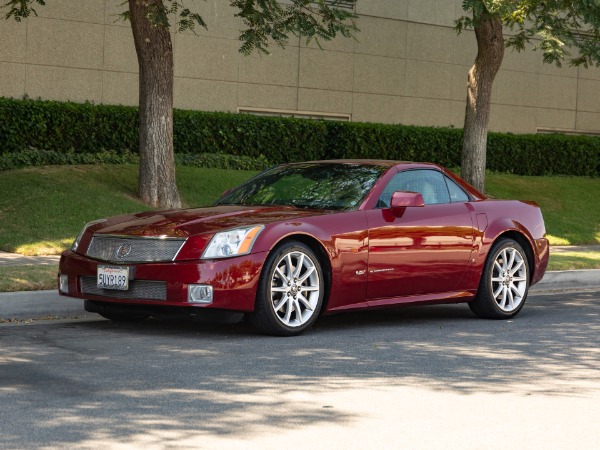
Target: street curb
x=568 y=280
x=38 y=304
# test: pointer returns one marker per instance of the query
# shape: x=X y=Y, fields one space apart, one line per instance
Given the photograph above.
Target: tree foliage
x=560 y=29
x=270 y=20
x=21 y=9
x=158 y=14
x=266 y=22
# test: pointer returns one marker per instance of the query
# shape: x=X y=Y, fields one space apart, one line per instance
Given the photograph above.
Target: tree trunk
x=156 y=186
x=490 y=45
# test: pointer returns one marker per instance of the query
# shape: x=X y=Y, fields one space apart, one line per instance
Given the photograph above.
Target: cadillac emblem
x=123 y=251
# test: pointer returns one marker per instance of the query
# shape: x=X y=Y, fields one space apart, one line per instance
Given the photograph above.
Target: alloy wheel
x=295 y=289
x=509 y=279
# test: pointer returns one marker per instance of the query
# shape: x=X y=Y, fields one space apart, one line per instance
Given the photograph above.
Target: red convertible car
x=305 y=239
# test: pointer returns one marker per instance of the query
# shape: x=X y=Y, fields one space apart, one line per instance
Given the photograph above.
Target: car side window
x=456 y=193
x=429 y=183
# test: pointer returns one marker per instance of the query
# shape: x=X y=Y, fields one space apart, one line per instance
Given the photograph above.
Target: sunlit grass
x=570 y=205
x=54 y=247
x=28 y=278
x=555 y=240
x=574 y=261
x=43 y=209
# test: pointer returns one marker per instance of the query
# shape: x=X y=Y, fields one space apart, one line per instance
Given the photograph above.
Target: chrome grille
x=122 y=250
x=138 y=289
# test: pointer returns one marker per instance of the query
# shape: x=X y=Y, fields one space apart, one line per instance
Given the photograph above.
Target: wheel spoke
x=497 y=266
x=514 y=289
x=511 y=262
x=519 y=279
x=498 y=279
x=310 y=288
x=504 y=265
x=298 y=311
x=290 y=266
x=307 y=274
x=299 y=266
x=284 y=278
x=302 y=299
x=280 y=304
x=519 y=265
x=511 y=299
x=503 y=301
x=497 y=292
x=288 y=312
x=279 y=289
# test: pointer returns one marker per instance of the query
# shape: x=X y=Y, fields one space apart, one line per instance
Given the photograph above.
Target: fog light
x=63 y=283
x=200 y=293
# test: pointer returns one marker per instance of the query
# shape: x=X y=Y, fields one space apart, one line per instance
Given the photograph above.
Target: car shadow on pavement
x=137 y=383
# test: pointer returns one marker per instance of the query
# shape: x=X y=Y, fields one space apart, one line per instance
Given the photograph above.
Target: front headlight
x=85 y=227
x=232 y=242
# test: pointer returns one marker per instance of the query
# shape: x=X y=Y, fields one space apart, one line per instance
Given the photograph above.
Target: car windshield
x=308 y=185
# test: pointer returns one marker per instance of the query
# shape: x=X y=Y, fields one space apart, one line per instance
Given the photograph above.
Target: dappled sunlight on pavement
x=426 y=377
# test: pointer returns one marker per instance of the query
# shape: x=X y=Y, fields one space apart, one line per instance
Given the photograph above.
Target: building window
x=341 y=4
x=297 y=114
x=567 y=132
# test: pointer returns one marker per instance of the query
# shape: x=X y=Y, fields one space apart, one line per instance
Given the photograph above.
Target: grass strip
x=43 y=208
x=569 y=204
x=28 y=278
x=574 y=261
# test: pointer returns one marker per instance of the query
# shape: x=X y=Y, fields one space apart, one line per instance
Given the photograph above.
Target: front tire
x=290 y=292
x=504 y=282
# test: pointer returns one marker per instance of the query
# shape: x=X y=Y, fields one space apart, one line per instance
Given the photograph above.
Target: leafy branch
x=554 y=27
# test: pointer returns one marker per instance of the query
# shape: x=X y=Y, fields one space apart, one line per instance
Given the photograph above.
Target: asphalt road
x=429 y=377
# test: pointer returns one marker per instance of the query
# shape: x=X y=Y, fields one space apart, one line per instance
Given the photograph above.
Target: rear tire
x=290 y=291
x=504 y=282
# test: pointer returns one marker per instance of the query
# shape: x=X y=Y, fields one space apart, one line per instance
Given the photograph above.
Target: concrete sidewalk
x=38 y=305
x=13 y=259
x=44 y=304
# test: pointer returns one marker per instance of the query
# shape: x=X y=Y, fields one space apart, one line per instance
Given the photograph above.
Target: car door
x=423 y=250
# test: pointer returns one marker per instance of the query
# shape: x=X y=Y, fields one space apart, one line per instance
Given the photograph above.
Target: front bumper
x=234 y=281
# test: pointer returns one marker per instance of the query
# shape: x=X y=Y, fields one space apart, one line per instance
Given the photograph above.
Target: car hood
x=188 y=222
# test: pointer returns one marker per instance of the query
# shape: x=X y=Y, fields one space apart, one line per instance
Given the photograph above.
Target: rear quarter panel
x=495 y=218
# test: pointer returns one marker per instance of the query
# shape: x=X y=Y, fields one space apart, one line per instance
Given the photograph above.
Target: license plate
x=111 y=277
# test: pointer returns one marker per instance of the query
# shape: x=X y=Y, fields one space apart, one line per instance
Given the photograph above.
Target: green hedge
x=35 y=157
x=74 y=129
x=277 y=139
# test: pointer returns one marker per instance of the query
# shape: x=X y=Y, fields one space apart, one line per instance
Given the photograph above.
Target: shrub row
x=74 y=129
x=35 y=157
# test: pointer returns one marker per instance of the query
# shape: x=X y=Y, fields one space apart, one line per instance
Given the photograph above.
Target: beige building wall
x=406 y=66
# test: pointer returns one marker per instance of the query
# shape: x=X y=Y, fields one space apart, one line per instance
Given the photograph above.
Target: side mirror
x=405 y=199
